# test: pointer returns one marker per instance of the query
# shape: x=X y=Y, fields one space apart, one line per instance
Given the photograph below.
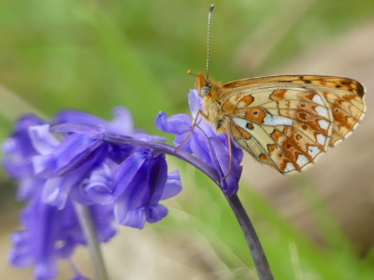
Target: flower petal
x=173 y=185
x=42 y=139
x=74 y=116
x=122 y=124
x=156 y=213
x=100 y=185
x=157 y=178
x=177 y=124
x=231 y=183
x=128 y=171
x=194 y=100
x=144 y=190
x=135 y=218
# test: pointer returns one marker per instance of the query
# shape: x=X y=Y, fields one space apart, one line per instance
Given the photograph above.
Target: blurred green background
x=95 y=55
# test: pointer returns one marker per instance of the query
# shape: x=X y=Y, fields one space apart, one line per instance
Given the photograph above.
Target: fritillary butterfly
x=285 y=121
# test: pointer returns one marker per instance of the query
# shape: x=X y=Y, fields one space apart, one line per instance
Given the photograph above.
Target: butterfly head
x=203 y=85
x=207 y=87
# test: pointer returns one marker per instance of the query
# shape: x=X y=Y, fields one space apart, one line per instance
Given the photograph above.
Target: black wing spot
x=249 y=126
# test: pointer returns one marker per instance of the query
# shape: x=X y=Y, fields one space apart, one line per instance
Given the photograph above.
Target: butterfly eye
x=205 y=90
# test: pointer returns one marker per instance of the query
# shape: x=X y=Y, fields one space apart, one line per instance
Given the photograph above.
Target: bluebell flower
x=69 y=160
x=18 y=151
x=50 y=234
x=204 y=142
x=135 y=187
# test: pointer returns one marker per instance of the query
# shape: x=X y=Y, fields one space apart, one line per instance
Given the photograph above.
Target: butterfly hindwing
x=348 y=109
x=286 y=128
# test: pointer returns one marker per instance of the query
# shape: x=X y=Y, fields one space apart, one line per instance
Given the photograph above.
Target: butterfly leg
x=226 y=128
x=195 y=124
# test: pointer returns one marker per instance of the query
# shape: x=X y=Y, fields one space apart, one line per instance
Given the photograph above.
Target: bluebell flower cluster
x=202 y=141
x=118 y=173
x=67 y=161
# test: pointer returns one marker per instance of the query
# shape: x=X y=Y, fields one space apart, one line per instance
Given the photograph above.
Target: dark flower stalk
x=214 y=152
x=254 y=244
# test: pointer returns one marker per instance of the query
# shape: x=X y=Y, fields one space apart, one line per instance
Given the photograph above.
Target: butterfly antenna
x=189 y=72
x=208 y=39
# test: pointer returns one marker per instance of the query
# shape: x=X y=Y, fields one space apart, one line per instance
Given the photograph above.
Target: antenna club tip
x=189 y=72
x=211 y=8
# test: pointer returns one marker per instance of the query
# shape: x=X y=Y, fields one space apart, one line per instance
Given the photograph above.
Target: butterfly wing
x=329 y=81
x=288 y=122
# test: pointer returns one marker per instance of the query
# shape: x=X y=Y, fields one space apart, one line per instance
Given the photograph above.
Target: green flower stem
x=88 y=227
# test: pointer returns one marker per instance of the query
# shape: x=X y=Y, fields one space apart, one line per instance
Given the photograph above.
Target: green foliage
x=94 y=55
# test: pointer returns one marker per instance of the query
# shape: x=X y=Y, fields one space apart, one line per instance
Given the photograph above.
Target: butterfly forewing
x=329 y=81
x=286 y=121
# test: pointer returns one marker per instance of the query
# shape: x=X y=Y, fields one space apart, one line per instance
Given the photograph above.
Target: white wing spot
x=240 y=122
x=313 y=151
x=323 y=124
x=277 y=120
x=322 y=111
x=318 y=99
x=302 y=160
x=289 y=167
x=321 y=139
x=241 y=104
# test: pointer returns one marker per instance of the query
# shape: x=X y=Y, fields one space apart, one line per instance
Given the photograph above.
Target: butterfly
x=285 y=121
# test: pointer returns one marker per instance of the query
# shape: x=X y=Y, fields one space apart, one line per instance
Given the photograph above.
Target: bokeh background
x=95 y=55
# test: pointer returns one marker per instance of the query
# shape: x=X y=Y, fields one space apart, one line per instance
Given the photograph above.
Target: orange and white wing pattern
x=288 y=121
